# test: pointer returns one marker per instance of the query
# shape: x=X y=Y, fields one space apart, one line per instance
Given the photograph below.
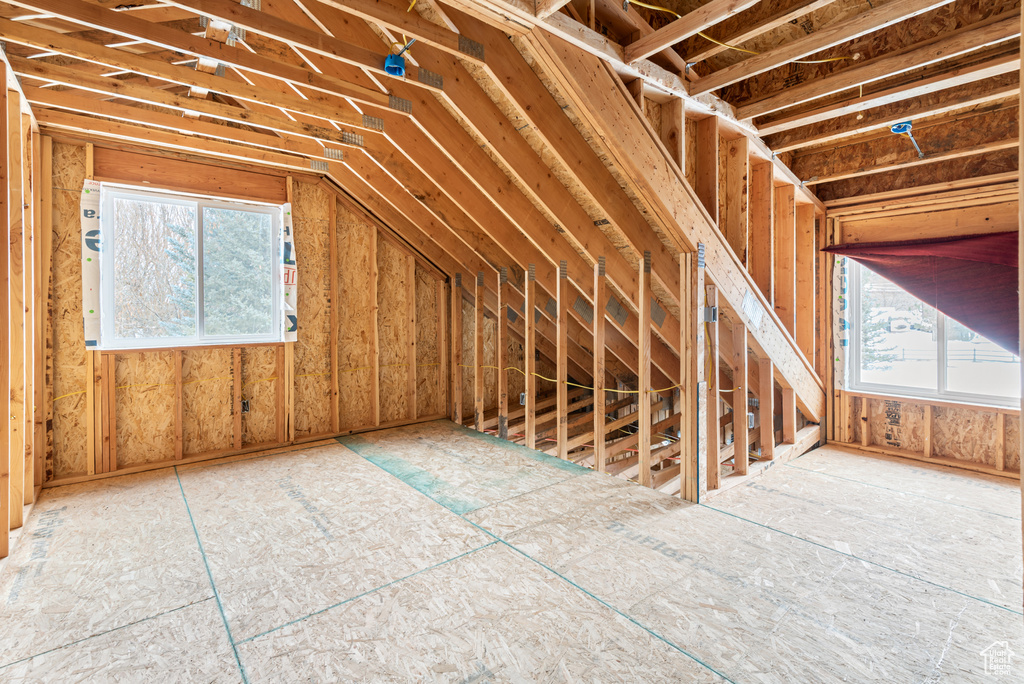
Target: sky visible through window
x=900 y=339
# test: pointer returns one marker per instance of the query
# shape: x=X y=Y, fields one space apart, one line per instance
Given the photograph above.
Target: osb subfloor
x=431 y=553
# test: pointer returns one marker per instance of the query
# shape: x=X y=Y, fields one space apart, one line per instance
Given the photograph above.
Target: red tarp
x=971 y=279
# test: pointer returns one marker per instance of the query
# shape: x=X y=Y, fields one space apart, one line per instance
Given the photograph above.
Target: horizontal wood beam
x=689 y=24
x=968 y=39
x=951 y=79
x=841 y=32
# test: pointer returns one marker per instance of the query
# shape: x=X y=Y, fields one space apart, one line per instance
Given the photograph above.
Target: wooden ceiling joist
x=949 y=79
x=863 y=23
x=23 y=34
x=690 y=24
x=968 y=39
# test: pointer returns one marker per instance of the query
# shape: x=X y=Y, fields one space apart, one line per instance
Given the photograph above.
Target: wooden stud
x=46 y=249
x=1000 y=440
x=806 y=253
x=442 y=347
x=707 y=165
x=16 y=320
x=110 y=401
x=766 y=408
x=788 y=416
x=673 y=130
x=762 y=229
x=179 y=424
x=695 y=460
x=734 y=195
x=600 y=401
x=714 y=401
x=865 y=422
x=562 y=300
x=334 y=322
x=478 y=353
x=289 y=358
x=410 y=391
x=5 y=342
x=502 y=351
x=374 y=275
x=40 y=306
x=31 y=312
x=636 y=89
x=236 y=389
x=785 y=257
x=929 y=424
x=740 y=428
x=644 y=373
x=456 y=340
x=530 y=355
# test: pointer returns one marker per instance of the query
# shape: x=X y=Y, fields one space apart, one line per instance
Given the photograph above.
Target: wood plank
x=332 y=247
x=785 y=257
x=179 y=425
x=673 y=129
x=236 y=400
x=863 y=23
x=29 y=310
x=5 y=341
x=707 y=165
x=503 y=341
x=442 y=345
x=714 y=430
x=694 y=457
x=636 y=90
x=762 y=229
x=1000 y=440
x=548 y=7
x=806 y=252
x=600 y=399
x=734 y=196
x=530 y=355
x=46 y=249
x=456 y=341
x=562 y=379
x=16 y=298
x=929 y=423
x=788 y=416
x=279 y=374
x=410 y=353
x=478 y=353
x=967 y=39
x=766 y=409
x=40 y=310
x=954 y=78
x=740 y=430
x=644 y=373
x=682 y=28
x=375 y=346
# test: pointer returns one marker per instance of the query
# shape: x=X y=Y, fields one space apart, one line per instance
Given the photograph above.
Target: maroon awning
x=972 y=279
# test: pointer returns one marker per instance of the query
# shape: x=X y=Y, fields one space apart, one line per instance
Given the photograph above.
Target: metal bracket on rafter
x=710 y=314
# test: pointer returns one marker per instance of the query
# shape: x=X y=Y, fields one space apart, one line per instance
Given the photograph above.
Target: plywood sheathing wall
x=145 y=385
x=68 y=457
x=966 y=434
x=311 y=206
x=392 y=322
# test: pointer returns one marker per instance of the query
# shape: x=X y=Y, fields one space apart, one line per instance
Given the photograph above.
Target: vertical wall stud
x=530 y=356
x=16 y=320
x=410 y=316
x=442 y=348
x=707 y=165
x=5 y=387
x=785 y=256
x=673 y=130
x=179 y=442
x=644 y=395
x=740 y=430
x=1000 y=440
x=600 y=302
x=478 y=353
x=734 y=195
x=562 y=346
x=375 y=314
x=503 y=309
x=788 y=415
x=766 y=403
x=236 y=389
x=714 y=401
x=456 y=391
x=762 y=228
x=334 y=323
x=694 y=457
x=806 y=253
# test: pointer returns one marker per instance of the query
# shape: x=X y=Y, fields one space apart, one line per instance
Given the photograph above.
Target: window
x=903 y=346
x=180 y=271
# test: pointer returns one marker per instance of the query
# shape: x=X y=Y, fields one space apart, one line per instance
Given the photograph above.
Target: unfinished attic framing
x=663 y=240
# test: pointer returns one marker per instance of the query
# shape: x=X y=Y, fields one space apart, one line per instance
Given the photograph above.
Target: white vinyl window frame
x=108 y=237
x=941 y=393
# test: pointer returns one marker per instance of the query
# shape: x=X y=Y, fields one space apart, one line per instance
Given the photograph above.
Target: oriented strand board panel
x=490 y=363
x=1013 y=443
x=259 y=387
x=467 y=357
x=429 y=397
x=69 y=354
x=516 y=380
x=357 y=318
x=964 y=434
x=207 y=391
x=145 y=399
x=392 y=324
x=896 y=424
x=311 y=223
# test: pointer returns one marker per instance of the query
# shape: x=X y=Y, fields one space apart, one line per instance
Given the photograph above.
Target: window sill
x=933 y=401
x=137 y=350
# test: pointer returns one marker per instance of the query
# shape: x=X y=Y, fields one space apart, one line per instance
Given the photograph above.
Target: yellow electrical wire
x=659 y=8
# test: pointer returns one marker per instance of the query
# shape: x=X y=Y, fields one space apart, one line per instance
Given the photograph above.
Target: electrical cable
x=659 y=8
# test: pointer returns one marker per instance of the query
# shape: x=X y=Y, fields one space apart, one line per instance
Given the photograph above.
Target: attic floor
x=433 y=553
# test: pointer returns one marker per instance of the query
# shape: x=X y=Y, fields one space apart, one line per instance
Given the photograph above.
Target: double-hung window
x=179 y=270
x=903 y=346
